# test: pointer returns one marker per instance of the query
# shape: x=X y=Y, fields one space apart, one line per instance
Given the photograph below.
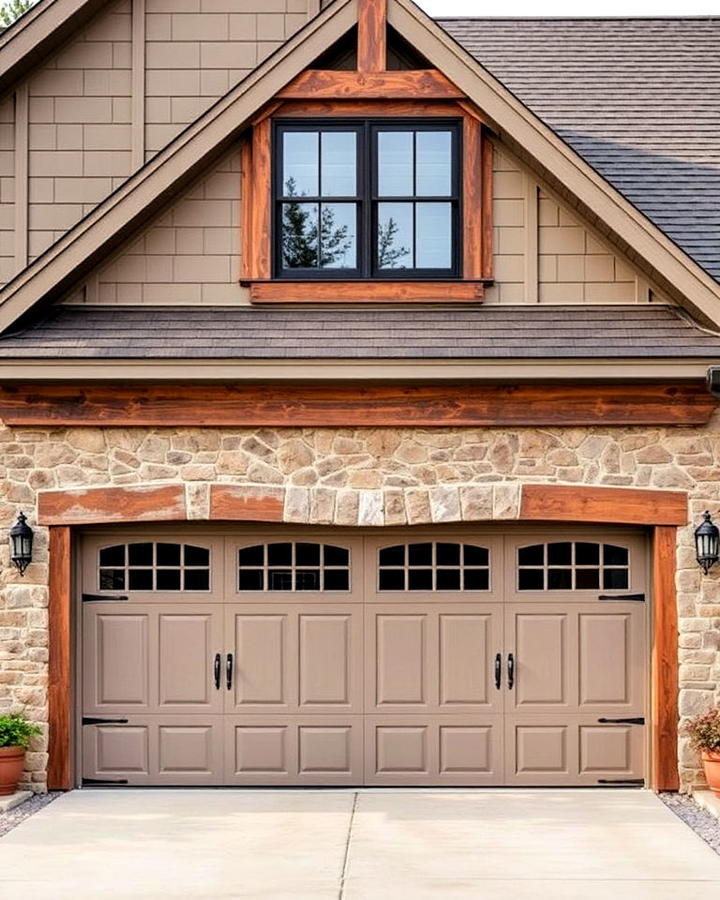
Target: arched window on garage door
x=573 y=566
x=294 y=566
x=434 y=566
x=154 y=566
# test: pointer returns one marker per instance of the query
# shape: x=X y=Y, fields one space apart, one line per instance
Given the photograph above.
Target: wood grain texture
x=459 y=404
x=372 y=36
x=665 y=684
x=135 y=503
x=488 y=264
x=261 y=212
x=246 y=503
x=370 y=108
x=59 y=660
x=472 y=214
x=407 y=84
x=619 y=506
x=366 y=291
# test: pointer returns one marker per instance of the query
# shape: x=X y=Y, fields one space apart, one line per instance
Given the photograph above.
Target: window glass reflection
x=395 y=164
x=433 y=166
x=300 y=163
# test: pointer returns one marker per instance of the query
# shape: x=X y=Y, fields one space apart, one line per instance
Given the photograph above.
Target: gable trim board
x=182 y=160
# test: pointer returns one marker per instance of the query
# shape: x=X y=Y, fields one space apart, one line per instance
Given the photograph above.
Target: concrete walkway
x=341 y=844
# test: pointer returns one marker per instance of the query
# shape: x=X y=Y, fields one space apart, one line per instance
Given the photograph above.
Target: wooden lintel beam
x=409 y=84
x=457 y=404
x=611 y=505
x=372 y=36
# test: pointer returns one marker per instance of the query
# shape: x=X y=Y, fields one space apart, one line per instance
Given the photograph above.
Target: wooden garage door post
x=663 y=511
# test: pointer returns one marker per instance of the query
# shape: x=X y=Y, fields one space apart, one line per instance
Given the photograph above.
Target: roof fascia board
x=181 y=160
x=350 y=370
x=529 y=132
x=44 y=26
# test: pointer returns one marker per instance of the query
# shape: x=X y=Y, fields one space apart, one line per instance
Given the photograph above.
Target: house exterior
x=354 y=386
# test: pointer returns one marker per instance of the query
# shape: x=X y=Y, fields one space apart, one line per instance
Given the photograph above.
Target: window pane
x=307 y=580
x=560 y=554
x=339 y=164
x=615 y=579
x=475 y=556
x=420 y=554
x=141 y=554
x=279 y=554
x=392 y=580
x=113 y=556
x=476 y=579
x=307 y=554
x=197 y=580
x=335 y=556
x=531 y=556
x=251 y=579
x=395 y=164
x=393 y=556
x=112 y=579
x=586 y=579
x=140 y=579
x=587 y=554
x=433 y=232
x=300 y=235
x=433 y=163
x=420 y=580
x=252 y=556
x=279 y=580
x=395 y=236
x=531 y=580
x=300 y=163
x=337 y=580
x=168 y=579
x=615 y=556
x=448 y=554
x=559 y=579
x=169 y=555
x=195 y=556
x=338 y=236
x=448 y=579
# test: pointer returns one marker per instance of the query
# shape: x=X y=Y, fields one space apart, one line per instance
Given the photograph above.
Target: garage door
x=426 y=658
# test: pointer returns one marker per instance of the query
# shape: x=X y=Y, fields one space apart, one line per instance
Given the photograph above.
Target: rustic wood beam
x=367 y=292
x=460 y=404
x=246 y=503
x=409 y=84
x=664 y=700
x=617 y=506
x=375 y=108
x=372 y=36
x=59 y=660
x=136 y=503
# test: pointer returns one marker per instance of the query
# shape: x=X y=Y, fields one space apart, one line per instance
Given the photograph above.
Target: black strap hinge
x=630 y=720
x=99 y=720
x=104 y=781
x=634 y=782
x=97 y=598
x=628 y=598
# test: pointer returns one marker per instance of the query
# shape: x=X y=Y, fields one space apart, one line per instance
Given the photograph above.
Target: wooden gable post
x=372 y=36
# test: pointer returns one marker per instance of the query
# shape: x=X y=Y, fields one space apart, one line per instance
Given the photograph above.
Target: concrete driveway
x=346 y=844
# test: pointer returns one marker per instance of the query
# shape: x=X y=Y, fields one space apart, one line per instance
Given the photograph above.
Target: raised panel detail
x=184 y=659
x=401 y=749
x=324 y=749
x=324 y=659
x=400 y=659
x=464 y=655
x=605 y=749
x=261 y=749
x=541 y=749
x=186 y=749
x=122 y=660
x=260 y=645
x=465 y=749
x=540 y=659
x=605 y=669
x=122 y=749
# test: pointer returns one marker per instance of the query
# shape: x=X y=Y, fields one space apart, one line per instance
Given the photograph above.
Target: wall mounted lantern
x=707 y=543
x=21 y=541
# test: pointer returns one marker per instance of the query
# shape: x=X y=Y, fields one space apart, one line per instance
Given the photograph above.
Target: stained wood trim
x=472 y=212
x=456 y=403
x=617 y=506
x=136 y=503
x=372 y=36
x=336 y=84
x=366 y=291
x=59 y=660
x=261 y=213
x=246 y=503
x=369 y=108
x=665 y=677
x=488 y=260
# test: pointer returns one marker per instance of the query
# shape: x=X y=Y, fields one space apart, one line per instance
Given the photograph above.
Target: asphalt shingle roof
x=638 y=99
x=492 y=332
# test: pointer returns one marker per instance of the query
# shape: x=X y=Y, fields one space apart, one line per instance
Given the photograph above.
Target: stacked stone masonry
x=367 y=477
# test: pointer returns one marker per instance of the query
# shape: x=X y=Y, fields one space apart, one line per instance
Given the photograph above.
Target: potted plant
x=15 y=734
x=704 y=733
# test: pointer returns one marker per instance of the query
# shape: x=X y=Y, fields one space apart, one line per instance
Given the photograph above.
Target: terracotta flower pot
x=711 y=765
x=12 y=760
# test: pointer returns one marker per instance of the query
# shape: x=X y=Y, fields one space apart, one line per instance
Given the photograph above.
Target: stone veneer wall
x=367 y=477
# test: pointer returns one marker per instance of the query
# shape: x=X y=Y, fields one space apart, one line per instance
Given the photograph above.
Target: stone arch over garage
x=660 y=511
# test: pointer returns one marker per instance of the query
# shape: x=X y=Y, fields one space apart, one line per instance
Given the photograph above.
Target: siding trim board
x=662 y=514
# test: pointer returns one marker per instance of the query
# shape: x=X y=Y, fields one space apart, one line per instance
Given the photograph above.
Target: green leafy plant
x=704 y=730
x=16 y=730
x=13 y=9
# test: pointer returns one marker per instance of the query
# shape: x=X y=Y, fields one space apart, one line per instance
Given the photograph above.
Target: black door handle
x=228 y=670
x=216 y=671
x=498 y=670
x=511 y=671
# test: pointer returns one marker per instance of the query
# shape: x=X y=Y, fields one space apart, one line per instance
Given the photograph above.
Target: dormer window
x=367 y=200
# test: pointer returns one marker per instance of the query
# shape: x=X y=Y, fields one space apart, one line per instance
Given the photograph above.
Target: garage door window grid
x=573 y=565
x=434 y=566
x=154 y=566
x=294 y=566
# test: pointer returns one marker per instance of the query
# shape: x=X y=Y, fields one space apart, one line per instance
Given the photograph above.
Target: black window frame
x=367 y=199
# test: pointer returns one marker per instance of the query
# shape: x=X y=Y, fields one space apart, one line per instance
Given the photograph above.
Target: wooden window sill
x=366 y=291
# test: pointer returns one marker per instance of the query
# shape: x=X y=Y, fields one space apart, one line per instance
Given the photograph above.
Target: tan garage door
x=465 y=658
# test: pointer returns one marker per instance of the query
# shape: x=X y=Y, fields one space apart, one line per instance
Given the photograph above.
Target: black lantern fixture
x=707 y=543
x=21 y=541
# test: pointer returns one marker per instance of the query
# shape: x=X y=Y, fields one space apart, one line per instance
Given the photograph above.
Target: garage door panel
x=329 y=662
x=467 y=642
x=116 y=646
x=402 y=660
x=444 y=750
x=187 y=644
x=611 y=653
x=544 y=666
x=262 y=666
x=293 y=750
x=165 y=750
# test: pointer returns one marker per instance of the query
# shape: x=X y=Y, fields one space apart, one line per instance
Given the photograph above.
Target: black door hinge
x=99 y=720
x=634 y=782
x=631 y=720
x=629 y=598
x=97 y=598
x=104 y=781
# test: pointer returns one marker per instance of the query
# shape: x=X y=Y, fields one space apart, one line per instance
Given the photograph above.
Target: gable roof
x=639 y=99
x=185 y=158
